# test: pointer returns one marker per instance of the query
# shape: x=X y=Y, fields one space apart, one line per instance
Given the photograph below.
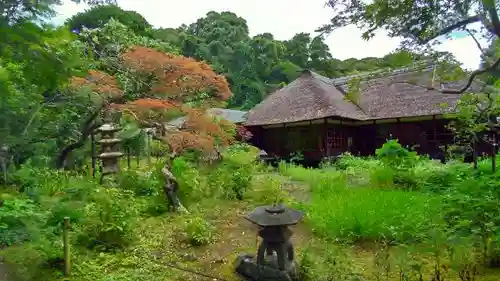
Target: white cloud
x=282 y=18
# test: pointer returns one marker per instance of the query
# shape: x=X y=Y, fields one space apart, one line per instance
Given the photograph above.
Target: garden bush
x=199 y=231
x=472 y=210
x=140 y=182
x=233 y=175
x=110 y=217
x=18 y=220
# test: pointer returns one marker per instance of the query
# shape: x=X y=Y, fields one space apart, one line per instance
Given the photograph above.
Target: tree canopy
x=97 y=16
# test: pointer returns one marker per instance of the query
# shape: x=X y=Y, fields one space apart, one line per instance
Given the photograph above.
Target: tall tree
x=98 y=16
x=297 y=49
x=15 y=11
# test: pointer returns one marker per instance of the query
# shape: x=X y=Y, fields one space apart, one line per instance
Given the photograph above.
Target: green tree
x=36 y=112
x=15 y=11
x=97 y=16
x=297 y=49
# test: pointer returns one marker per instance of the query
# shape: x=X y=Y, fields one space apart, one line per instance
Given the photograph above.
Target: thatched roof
x=310 y=96
x=235 y=116
x=313 y=96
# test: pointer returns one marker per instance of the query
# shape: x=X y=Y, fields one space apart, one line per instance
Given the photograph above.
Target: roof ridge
x=318 y=78
x=418 y=67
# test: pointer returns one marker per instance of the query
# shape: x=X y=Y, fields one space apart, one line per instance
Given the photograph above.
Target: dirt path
x=300 y=191
x=4 y=272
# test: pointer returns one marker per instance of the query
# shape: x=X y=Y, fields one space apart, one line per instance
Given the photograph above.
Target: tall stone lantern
x=110 y=148
x=275 y=259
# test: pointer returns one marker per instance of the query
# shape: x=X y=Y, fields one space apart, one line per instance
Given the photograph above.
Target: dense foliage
x=254 y=66
x=57 y=86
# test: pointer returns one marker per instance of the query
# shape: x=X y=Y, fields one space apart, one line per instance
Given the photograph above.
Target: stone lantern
x=110 y=150
x=275 y=255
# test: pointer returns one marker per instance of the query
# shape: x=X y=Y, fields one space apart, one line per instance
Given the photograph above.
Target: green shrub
x=382 y=177
x=109 y=219
x=39 y=182
x=140 y=182
x=158 y=149
x=72 y=209
x=393 y=154
x=233 y=175
x=231 y=180
x=267 y=190
x=18 y=220
x=198 y=231
x=471 y=210
x=31 y=261
x=156 y=205
x=189 y=179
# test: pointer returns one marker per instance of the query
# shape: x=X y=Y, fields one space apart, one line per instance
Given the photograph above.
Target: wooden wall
x=320 y=140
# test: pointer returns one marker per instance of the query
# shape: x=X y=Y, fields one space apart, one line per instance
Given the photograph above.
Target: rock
x=189 y=257
x=219 y=261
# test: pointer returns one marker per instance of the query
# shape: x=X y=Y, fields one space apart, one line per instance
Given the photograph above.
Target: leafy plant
x=199 y=232
x=110 y=218
x=139 y=182
x=395 y=155
x=472 y=210
x=18 y=216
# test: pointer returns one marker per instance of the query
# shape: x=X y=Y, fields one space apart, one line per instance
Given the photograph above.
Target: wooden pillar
x=326 y=150
x=494 y=153
x=93 y=153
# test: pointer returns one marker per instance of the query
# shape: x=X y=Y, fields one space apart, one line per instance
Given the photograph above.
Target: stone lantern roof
x=274 y=215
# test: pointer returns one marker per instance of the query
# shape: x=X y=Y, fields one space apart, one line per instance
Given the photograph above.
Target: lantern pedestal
x=275 y=255
x=248 y=268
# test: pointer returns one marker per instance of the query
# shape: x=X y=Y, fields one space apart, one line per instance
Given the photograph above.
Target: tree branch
x=472 y=76
x=477 y=42
x=450 y=28
x=87 y=128
x=490 y=7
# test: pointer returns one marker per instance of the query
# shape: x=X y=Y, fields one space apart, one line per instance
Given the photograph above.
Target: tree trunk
x=87 y=128
x=170 y=188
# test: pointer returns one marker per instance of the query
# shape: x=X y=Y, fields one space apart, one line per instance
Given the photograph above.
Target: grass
x=341 y=211
x=368 y=214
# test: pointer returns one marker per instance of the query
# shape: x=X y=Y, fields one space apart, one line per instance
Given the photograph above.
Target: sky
x=282 y=18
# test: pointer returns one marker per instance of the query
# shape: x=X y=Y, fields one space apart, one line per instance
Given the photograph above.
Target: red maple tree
x=177 y=85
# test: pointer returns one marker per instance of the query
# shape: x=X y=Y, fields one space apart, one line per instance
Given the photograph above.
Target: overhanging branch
x=472 y=76
x=450 y=28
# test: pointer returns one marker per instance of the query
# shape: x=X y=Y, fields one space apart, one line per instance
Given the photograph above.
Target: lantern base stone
x=247 y=267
